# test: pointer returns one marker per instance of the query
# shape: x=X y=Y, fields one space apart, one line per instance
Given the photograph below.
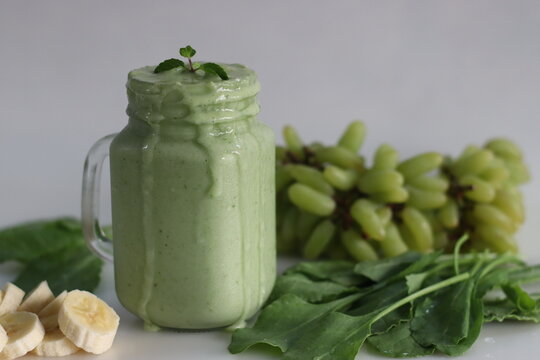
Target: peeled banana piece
x=49 y=314
x=37 y=299
x=24 y=333
x=55 y=343
x=3 y=338
x=10 y=298
x=88 y=321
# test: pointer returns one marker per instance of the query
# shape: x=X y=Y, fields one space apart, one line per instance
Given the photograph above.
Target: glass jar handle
x=94 y=235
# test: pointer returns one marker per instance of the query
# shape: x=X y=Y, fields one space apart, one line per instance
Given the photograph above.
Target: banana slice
x=10 y=298
x=88 y=321
x=37 y=299
x=24 y=332
x=3 y=338
x=55 y=343
x=49 y=314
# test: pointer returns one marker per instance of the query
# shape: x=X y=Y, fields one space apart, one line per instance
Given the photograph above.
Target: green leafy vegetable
x=213 y=68
x=505 y=309
x=378 y=270
x=398 y=342
x=307 y=289
x=411 y=305
x=51 y=250
x=168 y=64
x=188 y=52
x=29 y=241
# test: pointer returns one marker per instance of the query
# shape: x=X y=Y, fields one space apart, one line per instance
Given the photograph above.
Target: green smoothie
x=193 y=199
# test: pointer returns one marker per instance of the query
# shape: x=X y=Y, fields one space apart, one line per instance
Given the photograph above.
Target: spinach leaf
x=285 y=321
x=475 y=326
x=443 y=318
x=67 y=269
x=379 y=270
x=341 y=272
x=52 y=250
x=307 y=289
x=504 y=309
x=398 y=342
x=519 y=297
x=26 y=242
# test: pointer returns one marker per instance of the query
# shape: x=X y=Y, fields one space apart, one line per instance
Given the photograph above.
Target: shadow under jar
x=193 y=200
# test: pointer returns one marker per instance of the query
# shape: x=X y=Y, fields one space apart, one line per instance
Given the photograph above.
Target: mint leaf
x=213 y=68
x=187 y=52
x=168 y=64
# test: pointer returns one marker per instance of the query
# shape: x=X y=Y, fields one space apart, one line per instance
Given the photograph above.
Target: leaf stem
x=423 y=292
x=190 y=65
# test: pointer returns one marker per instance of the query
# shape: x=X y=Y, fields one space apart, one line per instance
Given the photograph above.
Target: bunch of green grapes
x=331 y=204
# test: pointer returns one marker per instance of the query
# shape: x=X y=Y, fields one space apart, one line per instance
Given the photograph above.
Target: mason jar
x=193 y=199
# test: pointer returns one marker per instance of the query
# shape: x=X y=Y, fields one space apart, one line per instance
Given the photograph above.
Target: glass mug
x=193 y=200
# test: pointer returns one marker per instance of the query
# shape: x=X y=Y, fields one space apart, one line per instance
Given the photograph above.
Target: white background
x=424 y=75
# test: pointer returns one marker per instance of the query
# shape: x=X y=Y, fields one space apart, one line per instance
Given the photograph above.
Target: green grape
x=336 y=251
x=373 y=181
x=385 y=214
x=469 y=150
x=407 y=237
x=310 y=200
x=339 y=156
x=357 y=247
x=364 y=212
x=510 y=203
x=311 y=177
x=420 y=164
x=281 y=153
x=474 y=163
x=477 y=190
x=491 y=215
x=440 y=240
x=392 y=244
x=353 y=137
x=385 y=158
x=396 y=195
x=505 y=149
x=293 y=141
x=496 y=174
x=481 y=191
x=314 y=146
x=341 y=179
x=305 y=224
x=519 y=173
x=319 y=239
x=496 y=238
x=448 y=214
x=283 y=178
x=429 y=183
x=425 y=200
x=419 y=227
x=286 y=243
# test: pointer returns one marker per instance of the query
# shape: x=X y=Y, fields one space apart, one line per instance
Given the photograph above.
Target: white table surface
x=510 y=340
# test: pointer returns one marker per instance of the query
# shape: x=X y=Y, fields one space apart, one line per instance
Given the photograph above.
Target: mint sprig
x=188 y=52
